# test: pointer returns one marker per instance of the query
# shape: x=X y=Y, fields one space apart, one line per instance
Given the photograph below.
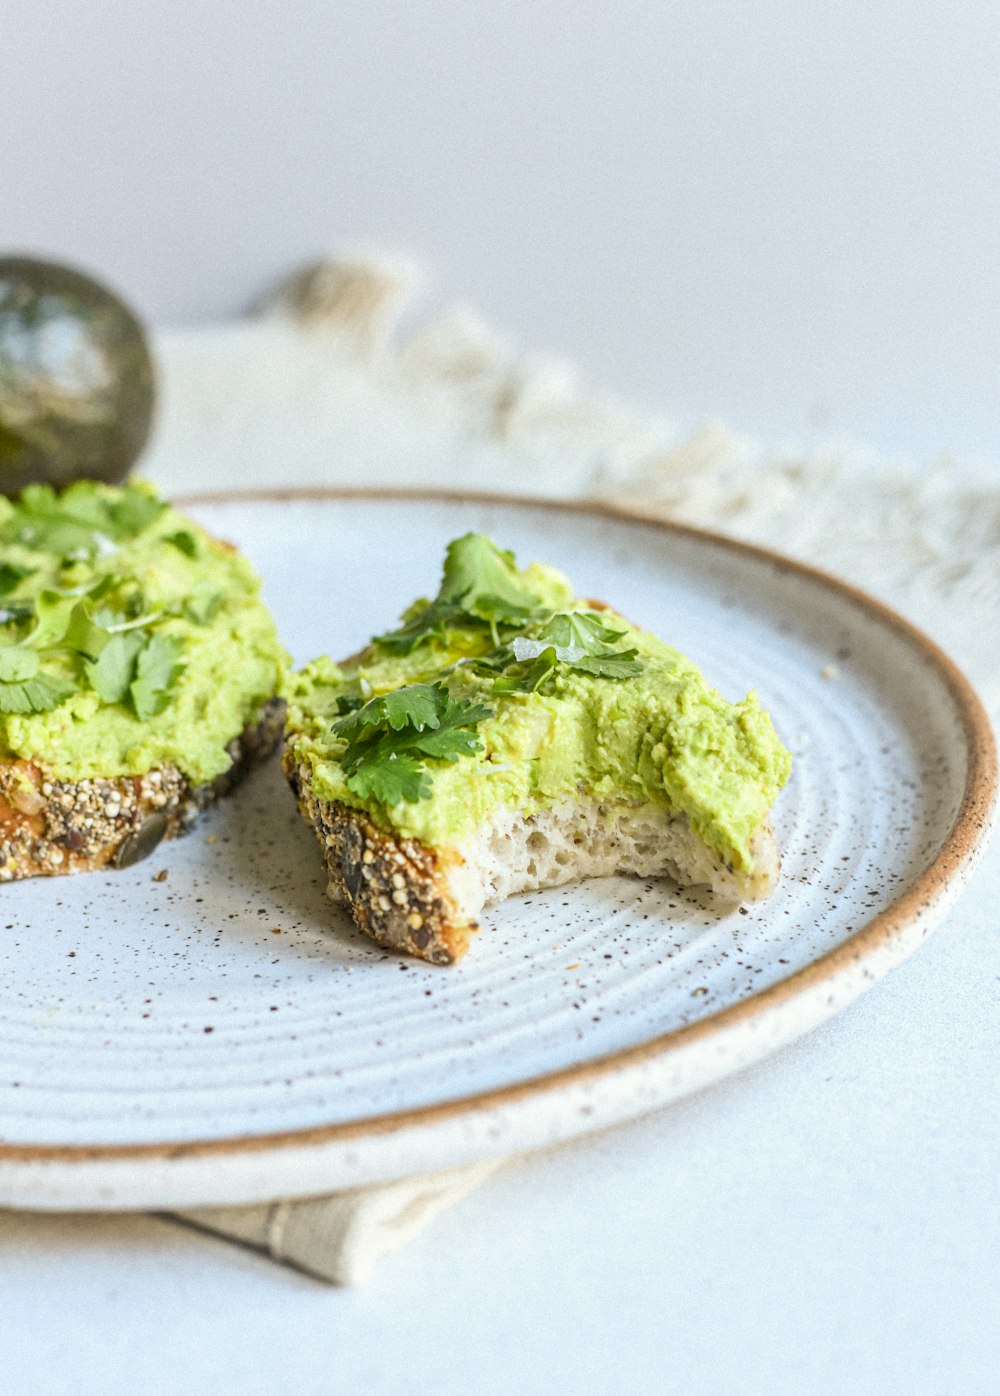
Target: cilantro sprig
x=23 y=689
x=518 y=642
x=81 y=522
x=123 y=658
x=577 y=640
x=87 y=631
x=479 y=590
x=392 y=736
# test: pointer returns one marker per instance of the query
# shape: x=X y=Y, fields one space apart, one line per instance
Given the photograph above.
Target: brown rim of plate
x=958 y=852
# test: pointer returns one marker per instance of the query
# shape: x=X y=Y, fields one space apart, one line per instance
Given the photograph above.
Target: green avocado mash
x=129 y=638
x=507 y=689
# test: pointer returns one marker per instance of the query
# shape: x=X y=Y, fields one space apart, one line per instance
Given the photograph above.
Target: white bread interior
x=512 y=853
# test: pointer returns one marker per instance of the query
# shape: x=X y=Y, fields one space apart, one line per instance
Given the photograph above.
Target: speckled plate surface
x=224 y=1036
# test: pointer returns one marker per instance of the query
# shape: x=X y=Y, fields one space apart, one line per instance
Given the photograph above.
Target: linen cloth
x=333 y=381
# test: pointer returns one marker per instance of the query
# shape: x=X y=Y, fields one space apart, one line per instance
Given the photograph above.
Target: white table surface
x=790 y=227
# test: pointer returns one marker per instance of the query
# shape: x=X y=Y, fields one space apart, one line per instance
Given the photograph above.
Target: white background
x=786 y=215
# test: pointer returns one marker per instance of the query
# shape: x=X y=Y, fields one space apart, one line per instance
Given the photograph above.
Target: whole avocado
x=76 y=378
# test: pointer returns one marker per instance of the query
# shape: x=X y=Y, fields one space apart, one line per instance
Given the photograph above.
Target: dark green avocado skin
x=76 y=378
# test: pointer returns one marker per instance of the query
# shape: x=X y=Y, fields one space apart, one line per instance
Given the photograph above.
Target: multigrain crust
x=396 y=889
x=50 y=826
x=425 y=901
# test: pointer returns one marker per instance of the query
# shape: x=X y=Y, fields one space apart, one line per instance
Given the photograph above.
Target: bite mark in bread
x=426 y=901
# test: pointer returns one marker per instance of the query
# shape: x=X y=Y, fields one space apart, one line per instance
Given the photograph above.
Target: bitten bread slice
x=426 y=901
x=510 y=736
x=139 y=676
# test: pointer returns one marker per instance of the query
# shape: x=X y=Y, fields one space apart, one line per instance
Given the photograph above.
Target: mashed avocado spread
x=129 y=638
x=506 y=688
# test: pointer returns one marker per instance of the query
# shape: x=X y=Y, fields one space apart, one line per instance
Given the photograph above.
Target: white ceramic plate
x=225 y=1036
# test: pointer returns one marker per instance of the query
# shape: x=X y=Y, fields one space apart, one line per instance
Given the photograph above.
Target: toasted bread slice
x=510 y=736
x=50 y=826
x=139 y=674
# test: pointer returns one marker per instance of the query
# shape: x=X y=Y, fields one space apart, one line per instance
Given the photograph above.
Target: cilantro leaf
x=620 y=664
x=349 y=703
x=392 y=736
x=530 y=676
x=184 y=542
x=38 y=522
x=38 y=694
x=397 y=777
x=449 y=743
x=52 y=615
x=483 y=580
x=578 y=630
x=157 y=669
x=11 y=576
x=480 y=586
x=430 y=620
x=494 y=662
x=17 y=663
x=81 y=520
x=132 y=512
x=51 y=524
x=83 y=634
x=418 y=705
x=111 y=674
x=573 y=639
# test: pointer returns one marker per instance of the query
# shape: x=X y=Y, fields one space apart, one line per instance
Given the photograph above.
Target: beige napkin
x=320 y=387
x=342 y=1236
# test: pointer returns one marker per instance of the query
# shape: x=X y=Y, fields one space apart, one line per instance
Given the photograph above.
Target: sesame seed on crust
x=50 y=827
x=395 y=888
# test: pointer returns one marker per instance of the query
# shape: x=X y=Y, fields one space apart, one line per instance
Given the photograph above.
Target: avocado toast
x=509 y=736
x=139 y=674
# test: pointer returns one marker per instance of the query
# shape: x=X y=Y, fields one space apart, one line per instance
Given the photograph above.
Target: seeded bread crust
x=396 y=889
x=49 y=827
